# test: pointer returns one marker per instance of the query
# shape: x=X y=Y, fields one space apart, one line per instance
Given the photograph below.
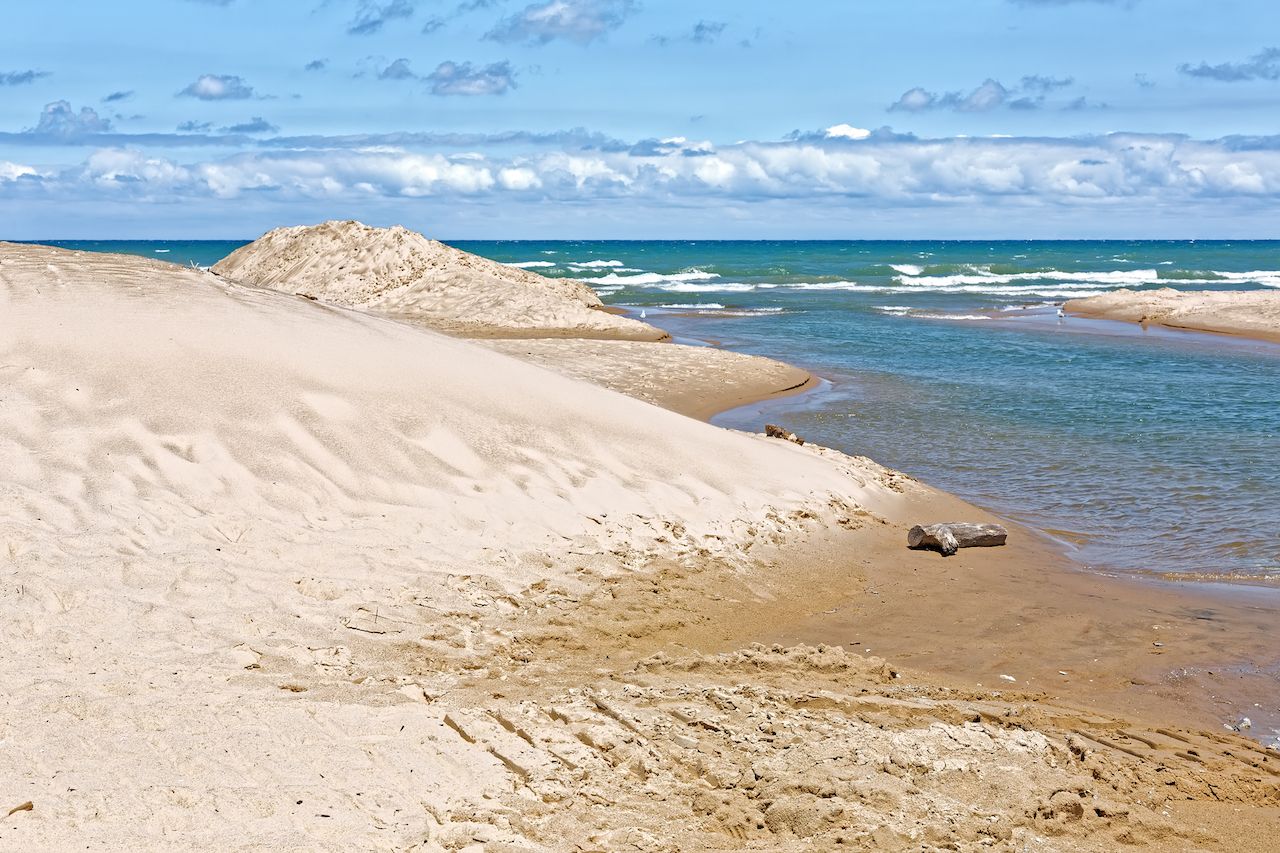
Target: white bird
x=642 y=314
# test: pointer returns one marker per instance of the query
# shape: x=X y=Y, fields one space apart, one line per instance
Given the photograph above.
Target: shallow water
x=1150 y=451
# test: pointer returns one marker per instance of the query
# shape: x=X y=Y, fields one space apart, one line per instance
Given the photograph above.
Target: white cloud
x=60 y=119
x=580 y=21
x=1149 y=169
x=14 y=171
x=846 y=131
x=218 y=87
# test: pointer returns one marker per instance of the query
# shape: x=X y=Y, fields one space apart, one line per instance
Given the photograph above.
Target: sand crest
x=1247 y=313
x=400 y=273
x=283 y=575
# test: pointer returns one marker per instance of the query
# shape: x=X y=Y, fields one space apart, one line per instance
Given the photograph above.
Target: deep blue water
x=1151 y=451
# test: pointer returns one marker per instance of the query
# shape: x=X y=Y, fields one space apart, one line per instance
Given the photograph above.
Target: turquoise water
x=1149 y=451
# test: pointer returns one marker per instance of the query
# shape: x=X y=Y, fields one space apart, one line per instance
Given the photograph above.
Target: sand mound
x=1248 y=313
x=400 y=273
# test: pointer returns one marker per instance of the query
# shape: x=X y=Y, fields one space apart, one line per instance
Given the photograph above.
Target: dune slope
x=400 y=273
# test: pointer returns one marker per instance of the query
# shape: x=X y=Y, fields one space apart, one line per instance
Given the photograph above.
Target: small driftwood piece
x=953 y=535
x=775 y=431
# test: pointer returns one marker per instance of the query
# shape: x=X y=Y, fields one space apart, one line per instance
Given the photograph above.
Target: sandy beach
x=288 y=572
x=1249 y=314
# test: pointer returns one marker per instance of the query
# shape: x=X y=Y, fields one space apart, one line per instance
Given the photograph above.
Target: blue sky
x=642 y=118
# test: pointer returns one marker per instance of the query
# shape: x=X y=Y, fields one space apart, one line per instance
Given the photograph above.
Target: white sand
x=1251 y=313
x=402 y=274
x=277 y=576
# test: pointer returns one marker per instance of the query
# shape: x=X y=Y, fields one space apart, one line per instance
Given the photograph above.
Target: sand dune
x=400 y=273
x=1250 y=314
x=279 y=575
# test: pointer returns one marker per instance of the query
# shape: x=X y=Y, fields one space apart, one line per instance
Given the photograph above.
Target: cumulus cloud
x=463 y=78
x=1261 y=66
x=846 y=131
x=1030 y=93
x=580 y=21
x=371 y=16
x=316 y=65
x=15 y=171
x=218 y=87
x=60 y=119
x=20 y=78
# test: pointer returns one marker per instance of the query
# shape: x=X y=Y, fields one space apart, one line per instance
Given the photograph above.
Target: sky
x=642 y=119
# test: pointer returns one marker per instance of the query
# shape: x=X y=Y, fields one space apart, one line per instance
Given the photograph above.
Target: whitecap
x=907 y=269
x=1118 y=278
x=591 y=265
x=652 y=278
x=526 y=265
x=836 y=285
x=694 y=287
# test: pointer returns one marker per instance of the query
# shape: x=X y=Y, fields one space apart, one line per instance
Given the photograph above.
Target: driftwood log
x=953 y=535
x=774 y=431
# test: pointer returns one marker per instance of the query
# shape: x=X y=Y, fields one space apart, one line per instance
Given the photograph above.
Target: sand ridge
x=1247 y=313
x=282 y=575
x=400 y=273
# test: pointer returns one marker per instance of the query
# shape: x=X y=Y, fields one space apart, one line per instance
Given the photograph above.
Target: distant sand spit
x=1250 y=314
x=400 y=273
x=281 y=575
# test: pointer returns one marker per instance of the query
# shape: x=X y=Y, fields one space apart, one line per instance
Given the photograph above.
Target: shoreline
x=1060 y=601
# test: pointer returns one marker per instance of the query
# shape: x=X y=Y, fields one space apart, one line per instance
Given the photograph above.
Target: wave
x=1117 y=278
x=592 y=265
x=1267 y=278
x=652 y=278
x=694 y=287
x=977 y=275
x=161 y=251
x=907 y=269
x=679 y=305
x=525 y=265
x=1079 y=291
x=747 y=312
x=835 y=285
